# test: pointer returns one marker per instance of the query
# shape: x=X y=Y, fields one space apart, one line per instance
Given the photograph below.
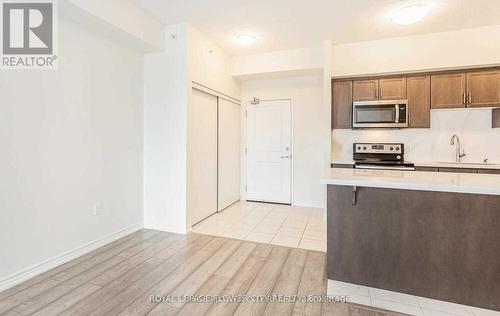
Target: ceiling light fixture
x=245 y=39
x=411 y=14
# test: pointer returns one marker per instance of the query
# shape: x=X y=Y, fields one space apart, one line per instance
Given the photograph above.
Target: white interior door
x=202 y=156
x=229 y=153
x=269 y=151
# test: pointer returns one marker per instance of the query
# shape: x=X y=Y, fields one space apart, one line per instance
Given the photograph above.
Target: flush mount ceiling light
x=411 y=14
x=245 y=39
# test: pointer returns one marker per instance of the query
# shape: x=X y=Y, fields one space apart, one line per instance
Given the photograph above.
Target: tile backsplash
x=479 y=140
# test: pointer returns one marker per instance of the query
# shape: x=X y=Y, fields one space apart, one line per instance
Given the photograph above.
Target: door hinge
x=246 y=150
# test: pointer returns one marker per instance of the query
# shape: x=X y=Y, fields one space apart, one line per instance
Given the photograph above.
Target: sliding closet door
x=229 y=153
x=202 y=156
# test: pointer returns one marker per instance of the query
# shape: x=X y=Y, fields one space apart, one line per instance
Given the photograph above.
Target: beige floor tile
x=312 y=244
x=246 y=226
x=314 y=234
x=451 y=308
x=236 y=234
x=397 y=307
x=393 y=296
x=317 y=213
x=343 y=288
x=298 y=218
x=282 y=208
x=287 y=241
x=293 y=232
x=259 y=237
x=264 y=206
x=271 y=222
x=268 y=229
x=301 y=210
x=277 y=215
x=316 y=225
x=294 y=223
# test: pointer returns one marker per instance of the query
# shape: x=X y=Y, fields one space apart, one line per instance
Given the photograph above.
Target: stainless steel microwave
x=381 y=114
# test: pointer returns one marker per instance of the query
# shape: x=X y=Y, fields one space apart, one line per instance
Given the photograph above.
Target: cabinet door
x=342 y=105
x=458 y=170
x=392 y=89
x=495 y=120
x=419 y=101
x=365 y=90
x=483 y=88
x=427 y=169
x=489 y=171
x=448 y=91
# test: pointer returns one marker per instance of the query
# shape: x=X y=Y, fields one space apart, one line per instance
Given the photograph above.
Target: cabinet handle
x=464 y=98
x=470 y=98
x=354 y=195
x=380 y=92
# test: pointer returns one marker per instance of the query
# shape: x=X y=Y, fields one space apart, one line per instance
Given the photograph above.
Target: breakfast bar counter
x=422 y=233
x=408 y=180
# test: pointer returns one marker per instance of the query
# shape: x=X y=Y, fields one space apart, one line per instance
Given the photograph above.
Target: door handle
x=470 y=98
x=285 y=157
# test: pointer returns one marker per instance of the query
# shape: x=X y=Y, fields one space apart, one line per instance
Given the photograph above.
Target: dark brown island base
x=440 y=245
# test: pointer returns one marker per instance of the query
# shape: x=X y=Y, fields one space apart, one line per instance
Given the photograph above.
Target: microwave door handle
x=397 y=114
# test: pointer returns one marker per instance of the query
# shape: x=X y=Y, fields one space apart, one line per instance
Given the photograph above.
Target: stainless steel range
x=389 y=156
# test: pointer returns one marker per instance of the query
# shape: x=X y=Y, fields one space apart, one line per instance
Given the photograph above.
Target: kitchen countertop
x=457 y=165
x=424 y=181
x=489 y=166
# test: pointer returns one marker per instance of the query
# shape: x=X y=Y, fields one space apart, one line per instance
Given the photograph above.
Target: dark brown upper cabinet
x=342 y=105
x=495 y=118
x=379 y=89
x=419 y=101
x=448 y=91
x=365 y=90
x=392 y=89
x=483 y=88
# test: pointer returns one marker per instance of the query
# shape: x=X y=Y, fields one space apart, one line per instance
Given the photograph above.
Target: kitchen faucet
x=460 y=153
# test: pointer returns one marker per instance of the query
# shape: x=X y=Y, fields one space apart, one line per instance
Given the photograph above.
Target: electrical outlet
x=97 y=209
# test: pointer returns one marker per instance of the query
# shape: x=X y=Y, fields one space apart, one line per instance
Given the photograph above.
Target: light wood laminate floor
x=119 y=278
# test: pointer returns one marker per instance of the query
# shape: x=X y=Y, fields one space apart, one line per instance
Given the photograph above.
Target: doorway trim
x=245 y=142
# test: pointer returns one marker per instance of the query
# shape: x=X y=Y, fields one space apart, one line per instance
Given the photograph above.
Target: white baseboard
x=308 y=204
x=28 y=273
x=169 y=229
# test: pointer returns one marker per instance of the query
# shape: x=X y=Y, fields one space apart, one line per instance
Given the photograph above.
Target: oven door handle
x=379 y=167
x=397 y=114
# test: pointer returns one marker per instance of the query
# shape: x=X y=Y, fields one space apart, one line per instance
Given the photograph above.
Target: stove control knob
x=392 y=148
x=359 y=148
x=399 y=157
x=397 y=148
x=364 y=148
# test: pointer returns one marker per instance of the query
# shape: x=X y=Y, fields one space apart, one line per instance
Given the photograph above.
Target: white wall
x=121 y=20
x=165 y=133
x=462 y=48
x=302 y=61
x=432 y=145
x=70 y=138
x=310 y=140
x=209 y=65
x=167 y=88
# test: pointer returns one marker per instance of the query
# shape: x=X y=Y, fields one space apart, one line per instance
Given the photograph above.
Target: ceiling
x=287 y=24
